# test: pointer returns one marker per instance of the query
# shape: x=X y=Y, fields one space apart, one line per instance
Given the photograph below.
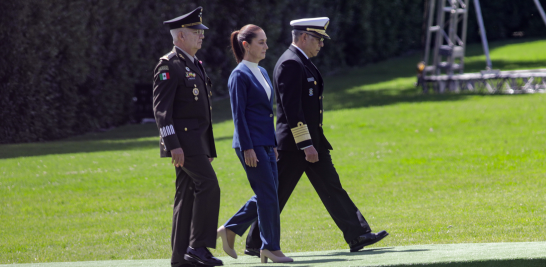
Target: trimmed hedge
x=70 y=66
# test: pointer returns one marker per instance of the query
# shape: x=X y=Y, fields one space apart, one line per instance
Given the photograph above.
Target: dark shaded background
x=71 y=66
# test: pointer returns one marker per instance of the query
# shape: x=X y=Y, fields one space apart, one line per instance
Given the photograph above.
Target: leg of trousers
x=196 y=207
x=264 y=205
x=324 y=178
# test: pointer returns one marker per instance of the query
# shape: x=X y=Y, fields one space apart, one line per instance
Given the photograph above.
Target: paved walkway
x=500 y=253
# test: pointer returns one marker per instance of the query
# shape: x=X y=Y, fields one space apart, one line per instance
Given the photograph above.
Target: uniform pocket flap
x=191 y=82
x=184 y=125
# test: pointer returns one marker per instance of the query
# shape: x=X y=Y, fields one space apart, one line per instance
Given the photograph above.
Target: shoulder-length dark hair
x=246 y=33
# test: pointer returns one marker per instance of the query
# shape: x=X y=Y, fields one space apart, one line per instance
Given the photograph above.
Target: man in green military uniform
x=182 y=110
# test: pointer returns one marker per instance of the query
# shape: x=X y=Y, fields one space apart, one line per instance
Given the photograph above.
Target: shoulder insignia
x=168 y=56
x=162 y=68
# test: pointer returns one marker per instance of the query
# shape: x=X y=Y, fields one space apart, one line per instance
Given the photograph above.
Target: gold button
x=321 y=112
x=186 y=129
x=271 y=115
x=210 y=107
x=194 y=85
x=210 y=93
x=315 y=82
x=320 y=125
x=320 y=97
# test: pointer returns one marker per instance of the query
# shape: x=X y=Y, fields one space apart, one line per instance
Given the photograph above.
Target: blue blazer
x=251 y=110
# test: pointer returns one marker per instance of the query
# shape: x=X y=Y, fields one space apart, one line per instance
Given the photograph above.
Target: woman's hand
x=276 y=154
x=250 y=158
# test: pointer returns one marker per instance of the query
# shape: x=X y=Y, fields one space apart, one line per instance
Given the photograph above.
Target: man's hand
x=250 y=158
x=211 y=159
x=276 y=154
x=177 y=157
x=311 y=154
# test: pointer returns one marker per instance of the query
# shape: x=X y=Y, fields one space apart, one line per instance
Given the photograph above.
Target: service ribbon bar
x=301 y=133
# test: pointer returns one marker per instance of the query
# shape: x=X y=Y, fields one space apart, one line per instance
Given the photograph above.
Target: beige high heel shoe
x=265 y=254
x=222 y=232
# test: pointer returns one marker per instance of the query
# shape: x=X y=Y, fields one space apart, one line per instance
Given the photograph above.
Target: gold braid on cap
x=323 y=32
x=301 y=133
x=190 y=24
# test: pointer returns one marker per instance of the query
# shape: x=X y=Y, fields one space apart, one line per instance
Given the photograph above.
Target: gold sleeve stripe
x=301 y=133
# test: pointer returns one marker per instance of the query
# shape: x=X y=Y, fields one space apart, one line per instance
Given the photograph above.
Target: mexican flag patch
x=164 y=76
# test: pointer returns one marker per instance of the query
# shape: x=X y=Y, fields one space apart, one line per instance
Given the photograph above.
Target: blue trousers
x=264 y=205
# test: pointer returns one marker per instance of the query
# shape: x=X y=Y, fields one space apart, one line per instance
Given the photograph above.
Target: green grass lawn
x=453 y=168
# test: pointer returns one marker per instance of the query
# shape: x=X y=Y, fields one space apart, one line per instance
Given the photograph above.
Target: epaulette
x=168 y=56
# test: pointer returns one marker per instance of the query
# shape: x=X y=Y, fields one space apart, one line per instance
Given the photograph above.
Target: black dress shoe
x=252 y=252
x=202 y=256
x=366 y=240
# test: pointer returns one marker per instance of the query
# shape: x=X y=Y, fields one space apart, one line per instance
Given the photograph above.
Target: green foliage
x=70 y=66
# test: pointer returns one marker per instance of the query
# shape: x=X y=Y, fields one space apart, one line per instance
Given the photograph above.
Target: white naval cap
x=317 y=25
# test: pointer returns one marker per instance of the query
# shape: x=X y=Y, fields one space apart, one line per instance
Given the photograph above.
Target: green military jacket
x=182 y=105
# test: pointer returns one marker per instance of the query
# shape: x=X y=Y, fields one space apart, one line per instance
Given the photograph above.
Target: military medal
x=311 y=92
x=188 y=69
x=196 y=93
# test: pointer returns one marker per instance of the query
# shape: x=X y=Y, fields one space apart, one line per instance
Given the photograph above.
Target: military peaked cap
x=317 y=25
x=192 y=20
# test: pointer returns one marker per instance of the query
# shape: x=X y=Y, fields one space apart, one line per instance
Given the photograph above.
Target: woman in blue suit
x=251 y=95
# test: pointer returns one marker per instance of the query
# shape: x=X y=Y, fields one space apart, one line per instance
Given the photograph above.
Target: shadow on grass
x=374 y=251
x=124 y=138
x=384 y=97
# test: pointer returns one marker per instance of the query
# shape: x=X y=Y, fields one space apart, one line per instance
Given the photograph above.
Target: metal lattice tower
x=448 y=42
x=448 y=21
x=443 y=64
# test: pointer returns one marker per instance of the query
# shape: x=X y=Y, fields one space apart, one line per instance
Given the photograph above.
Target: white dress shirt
x=258 y=74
